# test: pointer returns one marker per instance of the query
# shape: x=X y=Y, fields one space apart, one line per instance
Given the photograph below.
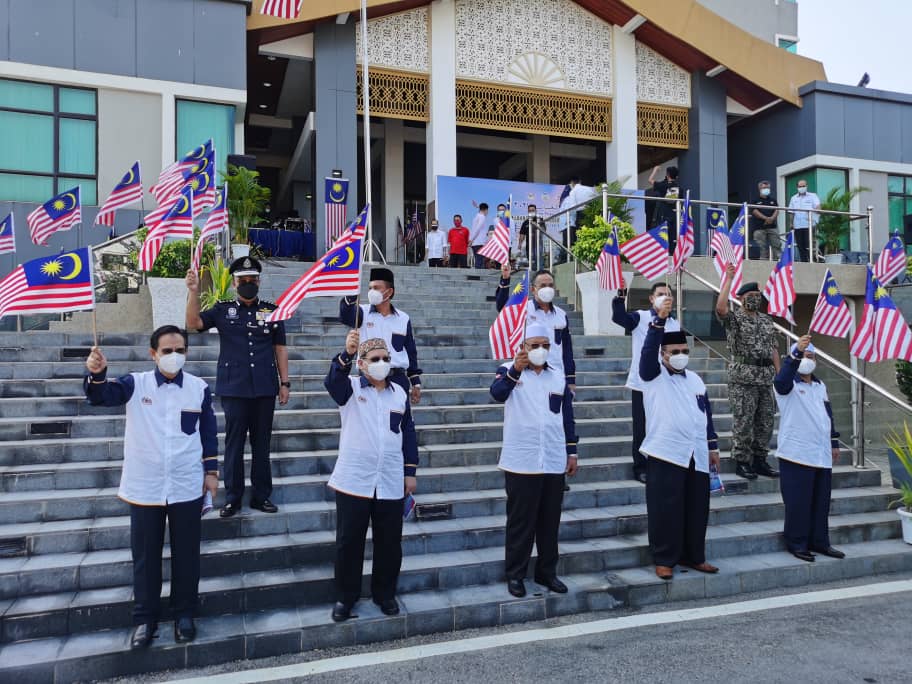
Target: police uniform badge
x=247 y=263
x=232 y=313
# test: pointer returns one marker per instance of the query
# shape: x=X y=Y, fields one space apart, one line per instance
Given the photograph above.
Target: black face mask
x=248 y=290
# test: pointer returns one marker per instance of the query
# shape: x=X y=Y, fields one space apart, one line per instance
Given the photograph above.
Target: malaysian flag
x=202 y=183
x=337 y=273
x=413 y=229
x=356 y=231
x=685 y=244
x=174 y=176
x=283 y=9
x=737 y=236
x=507 y=331
x=53 y=284
x=831 y=315
x=883 y=333
x=648 y=252
x=216 y=222
x=335 y=197
x=177 y=223
x=892 y=260
x=7 y=235
x=720 y=243
x=608 y=265
x=780 y=288
x=59 y=213
x=497 y=248
x=128 y=191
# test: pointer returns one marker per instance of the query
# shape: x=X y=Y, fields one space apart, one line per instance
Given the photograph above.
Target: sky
x=851 y=37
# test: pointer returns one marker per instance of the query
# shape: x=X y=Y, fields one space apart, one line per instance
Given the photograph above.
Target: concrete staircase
x=65 y=570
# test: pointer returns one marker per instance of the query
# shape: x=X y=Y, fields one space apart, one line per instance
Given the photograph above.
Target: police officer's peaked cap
x=245 y=266
x=748 y=287
x=381 y=274
x=674 y=337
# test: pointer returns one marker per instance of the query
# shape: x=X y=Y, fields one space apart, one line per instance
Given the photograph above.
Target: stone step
x=80 y=609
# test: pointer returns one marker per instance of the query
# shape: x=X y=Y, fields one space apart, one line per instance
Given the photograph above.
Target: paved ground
x=850 y=640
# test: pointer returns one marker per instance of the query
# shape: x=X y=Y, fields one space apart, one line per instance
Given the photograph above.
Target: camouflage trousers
x=753 y=408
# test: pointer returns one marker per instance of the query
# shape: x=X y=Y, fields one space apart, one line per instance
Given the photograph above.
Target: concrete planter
x=239 y=250
x=596 y=305
x=906 y=517
x=169 y=301
x=833 y=258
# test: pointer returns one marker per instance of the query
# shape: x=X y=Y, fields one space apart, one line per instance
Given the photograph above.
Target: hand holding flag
x=507 y=331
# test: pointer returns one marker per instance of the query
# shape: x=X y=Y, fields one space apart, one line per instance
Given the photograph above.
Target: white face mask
x=801 y=191
x=537 y=357
x=807 y=366
x=657 y=304
x=375 y=297
x=764 y=192
x=378 y=370
x=678 y=361
x=546 y=294
x=171 y=363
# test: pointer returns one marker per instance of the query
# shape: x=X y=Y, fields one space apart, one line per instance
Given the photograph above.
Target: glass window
x=77 y=146
x=26 y=142
x=26 y=188
x=77 y=101
x=23 y=95
x=789 y=45
x=199 y=121
x=899 y=198
x=87 y=189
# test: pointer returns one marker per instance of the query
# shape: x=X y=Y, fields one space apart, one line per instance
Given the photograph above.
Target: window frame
x=905 y=196
x=56 y=115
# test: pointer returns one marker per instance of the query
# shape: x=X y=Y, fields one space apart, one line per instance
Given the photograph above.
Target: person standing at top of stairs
x=379 y=318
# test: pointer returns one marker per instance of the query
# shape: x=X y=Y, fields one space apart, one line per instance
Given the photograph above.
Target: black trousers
x=806 y=494
x=435 y=263
x=533 y=515
x=399 y=376
x=802 y=237
x=639 y=431
x=458 y=261
x=353 y=513
x=245 y=416
x=677 y=503
x=147 y=537
x=479 y=259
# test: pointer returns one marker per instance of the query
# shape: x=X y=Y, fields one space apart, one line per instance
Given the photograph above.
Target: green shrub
x=591 y=238
x=174 y=259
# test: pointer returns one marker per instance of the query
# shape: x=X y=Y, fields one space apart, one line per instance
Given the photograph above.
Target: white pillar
x=393 y=179
x=621 y=152
x=540 y=159
x=169 y=129
x=441 y=129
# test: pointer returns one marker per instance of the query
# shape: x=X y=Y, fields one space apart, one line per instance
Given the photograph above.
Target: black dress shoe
x=746 y=471
x=804 y=555
x=341 y=612
x=143 y=635
x=765 y=469
x=184 y=630
x=388 y=606
x=831 y=552
x=516 y=587
x=265 y=505
x=640 y=477
x=553 y=584
x=228 y=510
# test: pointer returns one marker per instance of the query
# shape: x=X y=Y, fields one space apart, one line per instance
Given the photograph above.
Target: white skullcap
x=536 y=330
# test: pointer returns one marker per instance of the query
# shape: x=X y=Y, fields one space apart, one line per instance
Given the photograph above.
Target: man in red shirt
x=458 y=237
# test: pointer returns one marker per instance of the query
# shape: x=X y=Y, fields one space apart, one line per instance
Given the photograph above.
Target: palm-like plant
x=832 y=228
x=220 y=289
x=901 y=446
x=246 y=200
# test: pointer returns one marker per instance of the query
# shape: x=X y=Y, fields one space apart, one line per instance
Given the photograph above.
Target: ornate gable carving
x=660 y=80
x=397 y=41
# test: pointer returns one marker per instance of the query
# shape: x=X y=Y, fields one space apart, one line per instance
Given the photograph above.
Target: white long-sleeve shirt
x=478 y=233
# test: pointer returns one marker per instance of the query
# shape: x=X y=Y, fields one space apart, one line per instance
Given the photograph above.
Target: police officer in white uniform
x=539 y=448
x=375 y=469
x=807 y=448
x=170 y=459
x=637 y=323
x=680 y=444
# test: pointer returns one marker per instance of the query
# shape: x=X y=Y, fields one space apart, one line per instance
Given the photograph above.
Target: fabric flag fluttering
x=59 y=213
x=413 y=229
x=883 y=332
x=831 y=314
x=780 y=288
x=336 y=274
x=648 y=252
x=497 y=248
x=177 y=223
x=334 y=199
x=608 y=265
x=282 y=9
x=126 y=192
x=737 y=237
x=892 y=260
x=685 y=244
x=53 y=284
x=173 y=177
x=7 y=235
x=356 y=231
x=720 y=242
x=507 y=331
x=216 y=222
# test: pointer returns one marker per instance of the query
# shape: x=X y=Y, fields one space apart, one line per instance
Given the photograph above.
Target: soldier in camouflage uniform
x=752 y=343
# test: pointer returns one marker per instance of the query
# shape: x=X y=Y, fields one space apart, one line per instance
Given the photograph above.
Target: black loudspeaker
x=907 y=229
x=248 y=161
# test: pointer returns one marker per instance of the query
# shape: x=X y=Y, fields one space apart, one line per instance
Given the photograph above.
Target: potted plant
x=832 y=229
x=247 y=200
x=901 y=447
x=596 y=302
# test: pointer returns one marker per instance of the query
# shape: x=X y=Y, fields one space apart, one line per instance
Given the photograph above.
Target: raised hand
x=192 y=281
x=351 y=342
x=96 y=361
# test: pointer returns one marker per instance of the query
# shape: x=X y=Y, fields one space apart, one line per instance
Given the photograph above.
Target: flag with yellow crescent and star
x=53 y=284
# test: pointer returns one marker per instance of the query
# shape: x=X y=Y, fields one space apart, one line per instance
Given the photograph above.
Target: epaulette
x=225 y=301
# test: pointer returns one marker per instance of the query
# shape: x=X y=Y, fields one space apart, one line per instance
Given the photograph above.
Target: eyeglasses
x=169 y=350
x=542 y=345
x=374 y=359
x=675 y=352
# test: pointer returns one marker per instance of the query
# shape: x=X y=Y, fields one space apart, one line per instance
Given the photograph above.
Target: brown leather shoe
x=664 y=572
x=703 y=567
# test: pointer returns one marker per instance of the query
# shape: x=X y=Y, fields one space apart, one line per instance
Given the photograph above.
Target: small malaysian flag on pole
x=177 y=223
x=892 y=260
x=59 y=213
x=831 y=315
x=737 y=235
x=413 y=230
x=608 y=265
x=282 y=9
x=356 y=231
x=497 y=248
x=883 y=332
x=648 y=252
x=174 y=176
x=334 y=200
x=720 y=242
x=126 y=192
x=53 y=284
x=507 y=331
x=780 y=288
x=216 y=222
x=685 y=244
x=7 y=235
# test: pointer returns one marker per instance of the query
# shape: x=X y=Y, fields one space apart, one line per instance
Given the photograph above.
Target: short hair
x=763 y=182
x=672 y=172
x=167 y=330
x=457 y=216
x=801 y=180
x=531 y=206
x=540 y=272
x=656 y=286
x=483 y=206
x=574 y=179
x=501 y=205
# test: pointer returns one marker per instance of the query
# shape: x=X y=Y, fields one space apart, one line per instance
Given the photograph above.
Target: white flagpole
x=365 y=91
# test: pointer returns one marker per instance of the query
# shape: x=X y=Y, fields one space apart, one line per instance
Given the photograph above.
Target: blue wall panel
x=887 y=131
x=219 y=44
x=830 y=124
x=859 y=128
x=116 y=21
x=42 y=33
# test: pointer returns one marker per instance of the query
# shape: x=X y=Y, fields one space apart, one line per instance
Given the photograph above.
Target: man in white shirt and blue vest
x=170 y=460
x=680 y=445
x=379 y=318
x=375 y=469
x=539 y=448
x=808 y=446
x=637 y=324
